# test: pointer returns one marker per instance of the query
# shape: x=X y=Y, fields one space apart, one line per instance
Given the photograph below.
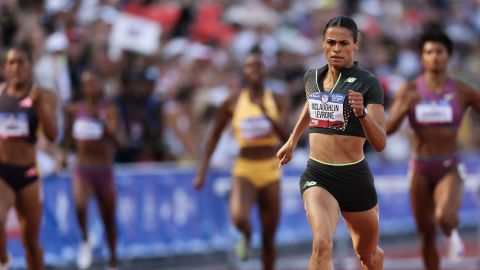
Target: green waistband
x=342 y=164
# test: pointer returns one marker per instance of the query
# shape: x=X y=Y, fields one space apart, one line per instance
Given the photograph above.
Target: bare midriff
x=434 y=142
x=17 y=152
x=336 y=149
x=257 y=152
x=94 y=152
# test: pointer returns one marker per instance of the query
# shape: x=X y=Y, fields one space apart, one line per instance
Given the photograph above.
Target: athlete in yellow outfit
x=256 y=114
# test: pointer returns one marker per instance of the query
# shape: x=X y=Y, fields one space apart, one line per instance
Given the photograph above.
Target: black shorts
x=351 y=185
x=18 y=177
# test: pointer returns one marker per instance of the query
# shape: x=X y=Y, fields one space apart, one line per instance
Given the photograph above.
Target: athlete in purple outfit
x=92 y=129
x=435 y=104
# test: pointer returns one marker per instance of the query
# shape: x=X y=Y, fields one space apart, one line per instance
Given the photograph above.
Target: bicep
x=374 y=93
x=50 y=103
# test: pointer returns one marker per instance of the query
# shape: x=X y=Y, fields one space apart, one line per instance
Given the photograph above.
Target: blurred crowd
x=167 y=65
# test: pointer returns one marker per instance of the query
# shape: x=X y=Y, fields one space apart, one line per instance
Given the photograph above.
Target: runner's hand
x=198 y=182
x=355 y=99
x=412 y=97
x=285 y=154
x=32 y=99
x=61 y=162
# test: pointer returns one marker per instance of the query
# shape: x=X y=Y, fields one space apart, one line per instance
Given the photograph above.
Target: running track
x=400 y=254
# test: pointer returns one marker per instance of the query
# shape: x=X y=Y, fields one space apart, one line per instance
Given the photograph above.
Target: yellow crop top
x=250 y=126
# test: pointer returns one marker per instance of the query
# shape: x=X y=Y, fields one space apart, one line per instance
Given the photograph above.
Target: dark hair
x=434 y=33
x=21 y=48
x=137 y=75
x=345 y=22
x=92 y=70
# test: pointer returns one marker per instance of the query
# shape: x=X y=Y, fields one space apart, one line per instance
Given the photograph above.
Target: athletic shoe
x=84 y=256
x=6 y=265
x=243 y=249
x=455 y=247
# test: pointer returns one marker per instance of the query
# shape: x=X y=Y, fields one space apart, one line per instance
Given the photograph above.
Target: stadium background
x=169 y=64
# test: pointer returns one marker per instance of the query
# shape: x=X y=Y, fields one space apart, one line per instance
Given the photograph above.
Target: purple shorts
x=99 y=177
x=435 y=168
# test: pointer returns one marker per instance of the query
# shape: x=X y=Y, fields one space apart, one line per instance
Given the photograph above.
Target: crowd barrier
x=160 y=214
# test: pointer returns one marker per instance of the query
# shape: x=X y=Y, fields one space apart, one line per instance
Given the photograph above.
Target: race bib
x=326 y=110
x=14 y=125
x=87 y=129
x=434 y=112
x=255 y=127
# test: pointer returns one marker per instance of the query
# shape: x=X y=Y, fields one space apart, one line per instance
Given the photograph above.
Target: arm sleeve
x=310 y=83
x=374 y=93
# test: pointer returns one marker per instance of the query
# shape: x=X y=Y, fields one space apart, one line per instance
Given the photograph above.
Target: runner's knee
x=369 y=259
x=239 y=219
x=426 y=229
x=322 y=247
x=446 y=222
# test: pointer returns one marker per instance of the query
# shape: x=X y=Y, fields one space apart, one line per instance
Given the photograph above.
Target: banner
x=138 y=34
x=160 y=214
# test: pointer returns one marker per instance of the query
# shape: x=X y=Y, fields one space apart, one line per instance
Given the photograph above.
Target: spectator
x=143 y=119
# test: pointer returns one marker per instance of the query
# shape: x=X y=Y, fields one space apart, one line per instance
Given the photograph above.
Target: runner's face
x=253 y=69
x=90 y=85
x=17 y=67
x=339 y=47
x=434 y=56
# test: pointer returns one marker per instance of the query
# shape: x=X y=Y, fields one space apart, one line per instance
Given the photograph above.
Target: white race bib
x=87 y=129
x=14 y=125
x=255 y=127
x=434 y=112
x=326 y=110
